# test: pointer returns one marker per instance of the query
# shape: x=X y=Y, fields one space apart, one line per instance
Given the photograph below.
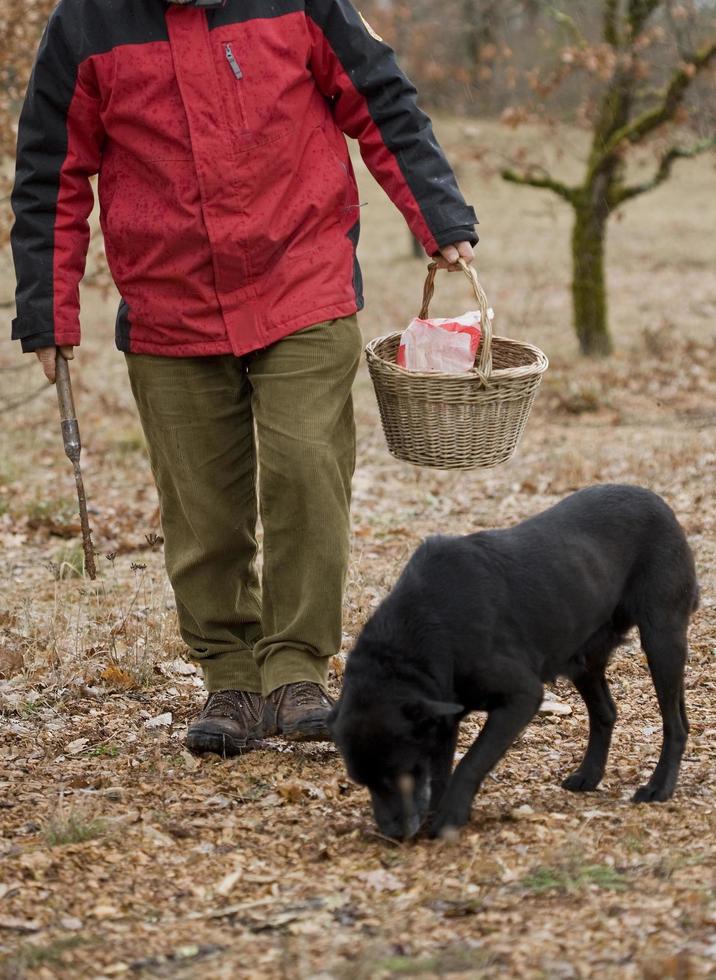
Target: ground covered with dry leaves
x=120 y=854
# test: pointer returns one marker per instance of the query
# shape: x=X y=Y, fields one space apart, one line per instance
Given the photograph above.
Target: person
x=230 y=215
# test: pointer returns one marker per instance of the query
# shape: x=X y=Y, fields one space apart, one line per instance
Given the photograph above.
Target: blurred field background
x=120 y=854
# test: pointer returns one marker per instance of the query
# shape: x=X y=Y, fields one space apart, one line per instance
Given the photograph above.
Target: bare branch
x=568 y=23
x=9 y=406
x=639 y=13
x=611 y=25
x=652 y=119
x=11 y=368
x=622 y=194
x=536 y=177
x=681 y=29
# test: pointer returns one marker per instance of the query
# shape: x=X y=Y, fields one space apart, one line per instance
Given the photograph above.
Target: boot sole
x=201 y=743
x=311 y=732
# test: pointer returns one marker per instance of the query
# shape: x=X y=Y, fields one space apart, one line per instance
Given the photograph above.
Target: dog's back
x=609 y=553
x=628 y=530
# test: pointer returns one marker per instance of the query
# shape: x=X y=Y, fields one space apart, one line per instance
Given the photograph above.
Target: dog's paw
x=579 y=782
x=444 y=831
x=652 y=794
x=446 y=825
x=450 y=834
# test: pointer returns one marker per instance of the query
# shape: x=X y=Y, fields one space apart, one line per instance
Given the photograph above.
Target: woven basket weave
x=457 y=421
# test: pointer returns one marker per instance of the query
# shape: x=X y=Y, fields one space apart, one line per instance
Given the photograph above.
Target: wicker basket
x=456 y=421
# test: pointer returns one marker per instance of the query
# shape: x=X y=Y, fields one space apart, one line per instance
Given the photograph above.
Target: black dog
x=479 y=623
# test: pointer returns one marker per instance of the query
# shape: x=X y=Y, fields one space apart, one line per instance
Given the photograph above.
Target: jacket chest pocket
x=233 y=84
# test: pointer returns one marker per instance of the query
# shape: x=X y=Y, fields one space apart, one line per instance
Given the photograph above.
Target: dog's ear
x=426 y=710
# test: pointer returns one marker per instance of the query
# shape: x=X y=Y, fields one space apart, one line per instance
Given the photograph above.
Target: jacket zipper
x=233 y=63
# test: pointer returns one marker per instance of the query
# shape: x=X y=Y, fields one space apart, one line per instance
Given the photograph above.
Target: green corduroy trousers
x=229 y=438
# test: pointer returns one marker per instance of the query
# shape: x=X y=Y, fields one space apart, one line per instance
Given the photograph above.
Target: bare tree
x=21 y=23
x=625 y=116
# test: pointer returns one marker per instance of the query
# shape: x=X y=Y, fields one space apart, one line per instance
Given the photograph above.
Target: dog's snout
x=402 y=827
x=411 y=826
x=406 y=785
x=411 y=821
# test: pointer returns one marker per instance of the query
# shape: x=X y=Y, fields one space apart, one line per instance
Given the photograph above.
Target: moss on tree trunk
x=588 y=281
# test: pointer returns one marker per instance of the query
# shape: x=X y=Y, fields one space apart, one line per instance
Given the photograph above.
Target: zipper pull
x=235 y=66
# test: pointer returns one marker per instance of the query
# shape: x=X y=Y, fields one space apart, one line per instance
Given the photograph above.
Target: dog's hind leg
x=682 y=709
x=516 y=708
x=592 y=685
x=666 y=652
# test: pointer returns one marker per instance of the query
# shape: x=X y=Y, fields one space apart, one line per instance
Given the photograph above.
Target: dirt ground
x=120 y=854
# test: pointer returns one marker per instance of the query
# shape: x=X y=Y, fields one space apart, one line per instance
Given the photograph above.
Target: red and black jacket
x=228 y=201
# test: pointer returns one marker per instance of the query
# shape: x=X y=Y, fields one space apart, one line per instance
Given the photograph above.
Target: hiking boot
x=229 y=724
x=298 y=712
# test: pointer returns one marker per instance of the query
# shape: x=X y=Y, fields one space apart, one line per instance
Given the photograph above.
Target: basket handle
x=484 y=356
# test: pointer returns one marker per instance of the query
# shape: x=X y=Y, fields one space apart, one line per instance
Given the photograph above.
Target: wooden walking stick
x=73 y=448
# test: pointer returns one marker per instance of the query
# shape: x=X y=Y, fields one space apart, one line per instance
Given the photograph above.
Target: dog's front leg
x=502 y=727
x=593 y=687
x=441 y=760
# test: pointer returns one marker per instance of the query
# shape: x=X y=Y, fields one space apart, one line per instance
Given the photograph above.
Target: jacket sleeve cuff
x=451 y=223
x=30 y=337
x=37 y=341
x=33 y=338
x=457 y=233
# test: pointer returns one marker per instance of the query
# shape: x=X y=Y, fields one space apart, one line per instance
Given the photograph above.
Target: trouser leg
x=303 y=409
x=196 y=416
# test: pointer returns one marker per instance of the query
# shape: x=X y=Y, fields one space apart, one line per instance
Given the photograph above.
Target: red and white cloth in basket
x=447 y=345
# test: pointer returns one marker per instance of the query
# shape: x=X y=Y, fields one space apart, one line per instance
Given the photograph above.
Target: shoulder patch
x=370 y=30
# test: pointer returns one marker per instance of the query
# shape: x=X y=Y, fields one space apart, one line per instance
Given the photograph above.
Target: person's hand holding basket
x=456 y=421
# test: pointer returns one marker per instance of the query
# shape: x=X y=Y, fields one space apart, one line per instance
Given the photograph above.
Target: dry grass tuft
x=71 y=825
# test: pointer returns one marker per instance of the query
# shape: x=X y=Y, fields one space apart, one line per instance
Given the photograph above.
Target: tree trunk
x=588 y=282
x=481 y=24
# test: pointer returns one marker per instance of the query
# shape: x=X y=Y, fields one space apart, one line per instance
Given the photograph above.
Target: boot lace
x=305 y=693
x=230 y=703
